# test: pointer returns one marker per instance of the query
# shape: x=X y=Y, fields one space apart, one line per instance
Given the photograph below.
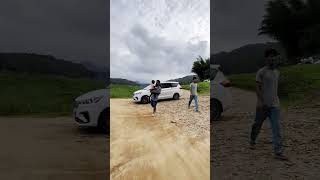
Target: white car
x=93 y=109
x=310 y=60
x=169 y=90
x=220 y=95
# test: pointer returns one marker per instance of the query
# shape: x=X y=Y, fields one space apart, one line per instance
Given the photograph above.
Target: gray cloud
x=155 y=39
x=75 y=30
x=236 y=23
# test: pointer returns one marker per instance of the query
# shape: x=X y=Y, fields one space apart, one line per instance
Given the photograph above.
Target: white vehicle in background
x=93 y=110
x=310 y=60
x=220 y=95
x=169 y=90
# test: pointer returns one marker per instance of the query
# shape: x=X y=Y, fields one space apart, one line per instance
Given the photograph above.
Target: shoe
x=281 y=157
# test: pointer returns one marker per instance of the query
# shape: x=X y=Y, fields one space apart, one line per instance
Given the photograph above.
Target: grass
x=36 y=94
x=296 y=82
x=203 y=88
x=122 y=91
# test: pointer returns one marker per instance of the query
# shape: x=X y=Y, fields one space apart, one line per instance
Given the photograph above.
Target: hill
x=32 y=94
x=246 y=59
x=184 y=80
x=45 y=64
x=123 y=82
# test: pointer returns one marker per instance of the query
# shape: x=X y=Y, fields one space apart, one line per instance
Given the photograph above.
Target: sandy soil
x=161 y=147
x=50 y=148
x=232 y=158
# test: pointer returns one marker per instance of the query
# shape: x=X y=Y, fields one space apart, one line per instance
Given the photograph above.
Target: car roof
x=215 y=66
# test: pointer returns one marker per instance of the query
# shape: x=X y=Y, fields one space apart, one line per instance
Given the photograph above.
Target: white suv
x=220 y=95
x=169 y=90
x=93 y=109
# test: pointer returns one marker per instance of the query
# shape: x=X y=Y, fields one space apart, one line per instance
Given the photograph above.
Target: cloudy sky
x=235 y=23
x=75 y=30
x=157 y=39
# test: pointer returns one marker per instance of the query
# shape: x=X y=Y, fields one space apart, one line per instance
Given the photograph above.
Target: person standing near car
x=155 y=92
x=268 y=104
x=194 y=94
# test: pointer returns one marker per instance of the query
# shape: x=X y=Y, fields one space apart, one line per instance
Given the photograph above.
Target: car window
x=174 y=84
x=165 y=85
x=219 y=77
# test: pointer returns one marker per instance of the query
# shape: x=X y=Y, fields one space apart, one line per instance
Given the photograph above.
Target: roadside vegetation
x=203 y=88
x=296 y=82
x=122 y=91
x=38 y=94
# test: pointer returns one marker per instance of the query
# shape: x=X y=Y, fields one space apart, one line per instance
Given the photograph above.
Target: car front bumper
x=83 y=117
x=136 y=98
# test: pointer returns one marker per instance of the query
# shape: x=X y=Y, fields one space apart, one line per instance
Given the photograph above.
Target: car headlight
x=88 y=101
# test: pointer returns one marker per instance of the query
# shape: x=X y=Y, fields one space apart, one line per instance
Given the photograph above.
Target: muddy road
x=232 y=158
x=50 y=148
x=147 y=147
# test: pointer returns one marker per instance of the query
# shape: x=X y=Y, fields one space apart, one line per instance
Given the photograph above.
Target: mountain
x=246 y=59
x=45 y=64
x=184 y=80
x=123 y=81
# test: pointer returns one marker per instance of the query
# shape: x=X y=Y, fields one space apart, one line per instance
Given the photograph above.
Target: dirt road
x=232 y=158
x=146 y=147
x=50 y=148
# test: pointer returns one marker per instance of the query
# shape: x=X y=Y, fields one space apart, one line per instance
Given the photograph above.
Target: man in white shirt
x=268 y=104
x=194 y=94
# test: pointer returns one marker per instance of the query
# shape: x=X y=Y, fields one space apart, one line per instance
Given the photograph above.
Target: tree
x=202 y=68
x=294 y=24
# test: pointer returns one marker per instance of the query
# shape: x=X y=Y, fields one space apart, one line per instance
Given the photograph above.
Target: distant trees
x=202 y=68
x=295 y=24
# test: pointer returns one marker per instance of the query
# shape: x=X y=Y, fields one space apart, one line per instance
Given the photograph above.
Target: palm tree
x=282 y=22
x=295 y=24
x=202 y=68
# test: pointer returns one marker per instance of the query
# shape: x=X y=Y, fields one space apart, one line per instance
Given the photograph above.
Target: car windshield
x=147 y=88
x=213 y=73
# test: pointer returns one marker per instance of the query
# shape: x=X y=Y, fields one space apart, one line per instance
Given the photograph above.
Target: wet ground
x=50 y=148
x=231 y=157
x=147 y=147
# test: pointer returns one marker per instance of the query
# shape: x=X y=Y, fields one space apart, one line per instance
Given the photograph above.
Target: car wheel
x=215 y=110
x=176 y=96
x=145 y=99
x=104 y=121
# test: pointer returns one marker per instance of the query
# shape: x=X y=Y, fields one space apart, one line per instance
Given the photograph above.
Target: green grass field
x=122 y=91
x=203 y=88
x=25 y=94
x=296 y=82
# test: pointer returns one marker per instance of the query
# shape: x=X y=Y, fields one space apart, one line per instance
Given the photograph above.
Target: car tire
x=176 y=96
x=215 y=110
x=104 y=121
x=145 y=99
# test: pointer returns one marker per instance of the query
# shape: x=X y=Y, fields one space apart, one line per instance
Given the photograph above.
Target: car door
x=174 y=89
x=165 y=90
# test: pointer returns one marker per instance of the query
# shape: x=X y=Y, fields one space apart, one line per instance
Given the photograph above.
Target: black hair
x=158 y=83
x=270 y=52
x=152 y=81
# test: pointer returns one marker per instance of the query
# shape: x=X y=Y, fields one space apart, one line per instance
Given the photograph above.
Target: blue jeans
x=153 y=103
x=195 y=97
x=273 y=113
